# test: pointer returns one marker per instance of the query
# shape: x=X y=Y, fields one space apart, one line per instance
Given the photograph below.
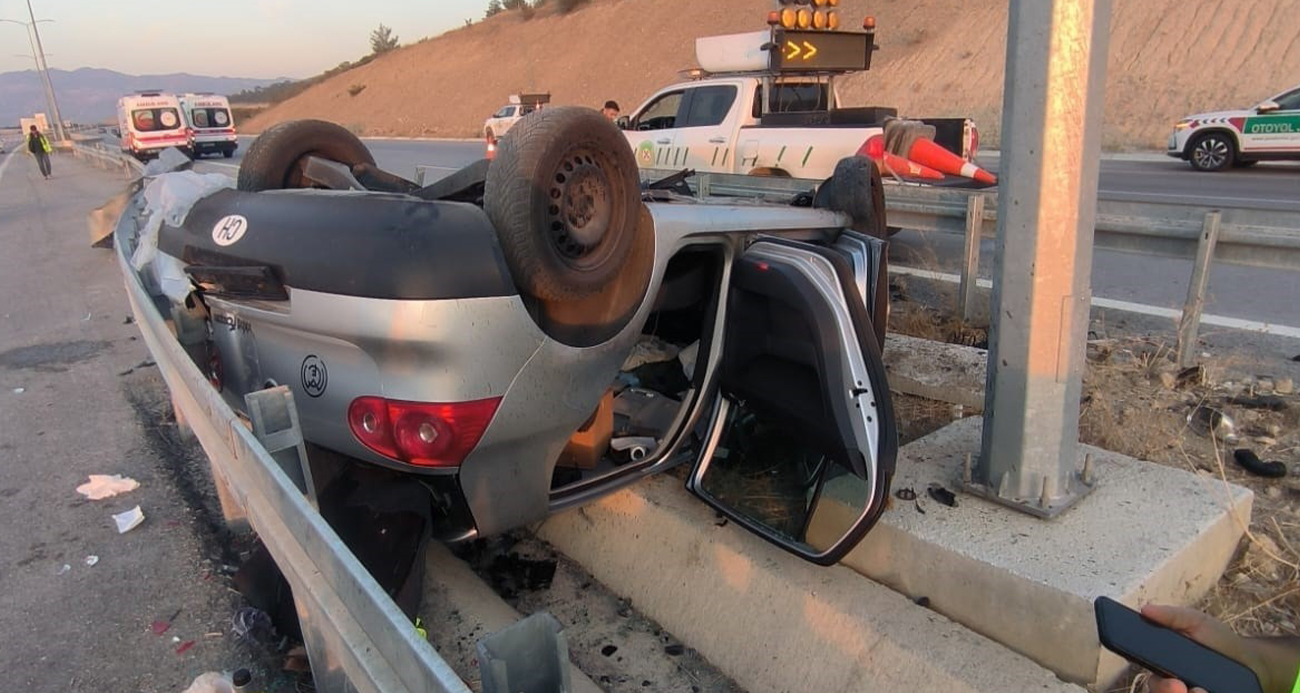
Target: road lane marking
x=5 y=164
x=217 y=163
x=1127 y=306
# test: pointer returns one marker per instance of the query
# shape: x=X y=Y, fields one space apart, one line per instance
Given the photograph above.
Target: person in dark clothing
x=40 y=148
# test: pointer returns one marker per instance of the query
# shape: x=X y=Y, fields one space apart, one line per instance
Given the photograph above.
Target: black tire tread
x=509 y=195
x=269 y=158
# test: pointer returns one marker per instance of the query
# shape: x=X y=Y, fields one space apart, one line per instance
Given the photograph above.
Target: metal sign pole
x=1051 y=135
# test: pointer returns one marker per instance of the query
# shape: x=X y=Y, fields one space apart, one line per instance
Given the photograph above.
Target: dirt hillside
x=1168 y=58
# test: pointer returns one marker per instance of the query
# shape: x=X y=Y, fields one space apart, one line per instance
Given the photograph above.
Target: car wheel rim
x=1211 y=153
x=580 y=210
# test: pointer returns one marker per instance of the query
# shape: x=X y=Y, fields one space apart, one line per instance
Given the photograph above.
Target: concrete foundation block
x=770 y=620
x=944 y=372
x=1147 y=533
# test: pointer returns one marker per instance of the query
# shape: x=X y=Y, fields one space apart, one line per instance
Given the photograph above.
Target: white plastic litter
x=64 y=570
x=103 y=486
x=92 y=560
x=211 y=682
x=129 y=520
x=168 y=198
x=19 y=390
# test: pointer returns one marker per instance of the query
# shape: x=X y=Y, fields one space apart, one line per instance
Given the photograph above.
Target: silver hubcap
x=1211 y=153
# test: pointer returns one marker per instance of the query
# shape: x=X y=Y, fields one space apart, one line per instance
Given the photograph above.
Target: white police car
x=1214 y=141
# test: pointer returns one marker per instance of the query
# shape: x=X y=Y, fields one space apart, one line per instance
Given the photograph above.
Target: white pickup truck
x=720 y=121
x=520 y=105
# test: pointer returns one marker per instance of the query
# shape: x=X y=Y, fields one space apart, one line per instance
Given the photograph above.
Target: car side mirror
x=623 y=122
x=1267 y=107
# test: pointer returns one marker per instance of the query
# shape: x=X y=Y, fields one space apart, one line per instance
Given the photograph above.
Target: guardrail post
x=1190 y=322
x=706 y=184
x=275 y=423
x=1051 y=125
x=971 y=264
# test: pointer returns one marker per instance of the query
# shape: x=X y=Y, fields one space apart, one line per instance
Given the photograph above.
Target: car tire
x=229 y=153
x=275 y=159
x=564 y=197
x=1213 y=151
x=856 y=189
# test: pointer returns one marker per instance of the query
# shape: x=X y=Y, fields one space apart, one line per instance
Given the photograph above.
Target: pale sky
x=232 y=38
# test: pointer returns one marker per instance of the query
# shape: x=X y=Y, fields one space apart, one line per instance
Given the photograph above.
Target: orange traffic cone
x=927 y=153
x=874 y=149
x=491 y=149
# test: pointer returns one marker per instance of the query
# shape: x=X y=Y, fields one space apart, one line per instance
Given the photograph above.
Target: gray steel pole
x=1051 y=134
x=45 y=74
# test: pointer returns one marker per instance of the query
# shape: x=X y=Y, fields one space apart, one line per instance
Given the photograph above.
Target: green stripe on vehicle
x=686 y=155
x=1272 y=125
x=780 y=154
x=805 y=156
x=715 y=157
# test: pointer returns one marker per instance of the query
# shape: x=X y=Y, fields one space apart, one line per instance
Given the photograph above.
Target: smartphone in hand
x=1169 y=653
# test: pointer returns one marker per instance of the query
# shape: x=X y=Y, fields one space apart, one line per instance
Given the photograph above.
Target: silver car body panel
x=467 y=349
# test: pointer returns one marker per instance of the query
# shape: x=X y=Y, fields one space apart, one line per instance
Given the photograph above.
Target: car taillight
x=421 y=433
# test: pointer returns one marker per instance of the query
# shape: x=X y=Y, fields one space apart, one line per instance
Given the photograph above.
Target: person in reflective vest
x=40 y=147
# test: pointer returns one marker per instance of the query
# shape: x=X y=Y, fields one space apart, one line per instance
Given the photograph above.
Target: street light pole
x=45 y=74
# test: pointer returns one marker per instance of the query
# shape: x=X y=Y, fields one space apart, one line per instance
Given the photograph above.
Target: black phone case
x=1168 y=653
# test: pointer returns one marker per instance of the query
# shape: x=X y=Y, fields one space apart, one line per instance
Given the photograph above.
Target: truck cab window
x=794 y=97
x=709 y=105
x=505 y=112
x=661 y=114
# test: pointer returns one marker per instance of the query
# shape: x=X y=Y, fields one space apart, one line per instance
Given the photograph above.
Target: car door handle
x=664 y=141
x=717 y=140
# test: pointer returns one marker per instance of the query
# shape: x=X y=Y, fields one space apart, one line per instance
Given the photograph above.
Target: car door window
x=709 y=106
x=802 y=445
x=1289 y=101
x=505 y=112
x=660 y=114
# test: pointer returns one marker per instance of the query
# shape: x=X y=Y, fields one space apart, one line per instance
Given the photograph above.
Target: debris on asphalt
x=160 y=627
x=1268 y=402
x=1203 y=420
x=128 y=320
x=19 y=390
x=252 y=625
x=1249 y=461
x=674 y=650
x=129 y=520
x=92 y=560
x=905 y=494
x=147 y=363
x=609 y=650
x=943 y=495
x=1284 y=386
x=211 y=682
x=64 y=570
x=185 y=647
x=103 y=486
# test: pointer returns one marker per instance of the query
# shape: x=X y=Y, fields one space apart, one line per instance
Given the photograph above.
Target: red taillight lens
x=974 y=142
x=421 y=433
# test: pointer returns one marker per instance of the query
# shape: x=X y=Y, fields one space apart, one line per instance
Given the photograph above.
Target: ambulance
x=150 y=121
x=211 y=127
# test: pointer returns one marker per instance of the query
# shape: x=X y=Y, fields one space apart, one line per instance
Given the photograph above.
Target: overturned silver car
x=533 y=333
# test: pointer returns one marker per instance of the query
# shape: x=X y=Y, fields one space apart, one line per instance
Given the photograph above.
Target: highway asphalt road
x=1252 y=294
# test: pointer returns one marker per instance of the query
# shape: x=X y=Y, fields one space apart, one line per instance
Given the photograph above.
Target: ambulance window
x=1289 y=101
x=144 y=120
x=709 y=105
x=221 y=117
x=200 y=117
x=660 y=114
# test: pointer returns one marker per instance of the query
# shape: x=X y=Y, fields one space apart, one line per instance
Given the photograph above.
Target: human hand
x=1274 y=660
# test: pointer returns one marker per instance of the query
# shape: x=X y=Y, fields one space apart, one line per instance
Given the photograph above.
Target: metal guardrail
x=1256 y=238
x=357 y=638
x=108 y=158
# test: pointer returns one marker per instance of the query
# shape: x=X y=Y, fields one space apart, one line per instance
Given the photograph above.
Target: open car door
x=803 y=441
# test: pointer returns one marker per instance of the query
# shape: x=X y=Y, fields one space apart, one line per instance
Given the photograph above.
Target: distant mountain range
x=88 y=94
